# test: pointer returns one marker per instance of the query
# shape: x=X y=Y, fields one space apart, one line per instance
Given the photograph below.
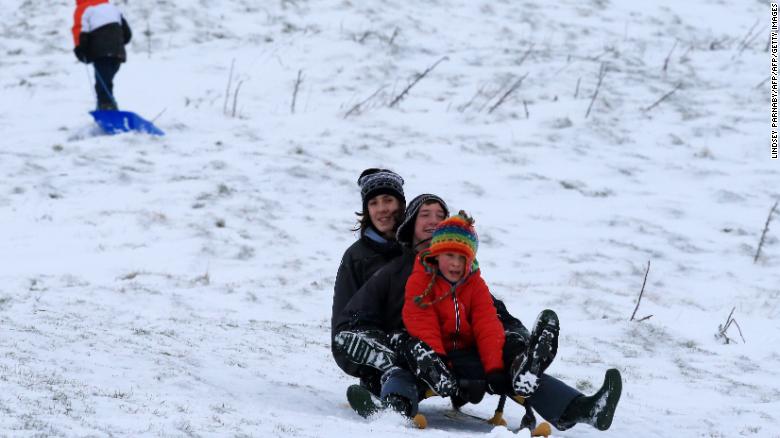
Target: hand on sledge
x=498 y=383
x=471 y=390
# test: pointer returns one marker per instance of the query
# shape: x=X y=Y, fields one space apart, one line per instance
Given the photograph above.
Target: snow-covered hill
x=182 y=285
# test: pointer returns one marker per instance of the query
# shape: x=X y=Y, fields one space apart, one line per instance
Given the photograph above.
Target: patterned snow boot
x=541 y=350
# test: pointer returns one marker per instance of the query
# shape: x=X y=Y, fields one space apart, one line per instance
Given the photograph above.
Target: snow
x=182 y=285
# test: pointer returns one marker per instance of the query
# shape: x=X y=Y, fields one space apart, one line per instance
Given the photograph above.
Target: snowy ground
x=182 y=285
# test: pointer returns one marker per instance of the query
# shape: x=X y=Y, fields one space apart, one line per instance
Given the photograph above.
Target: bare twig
x=686 y=52
x=235 y=98
x=723 y=328
x=577 y=88
x=666 y=61
x=525 y=106
x=295 y=91
x=468 y=104
x=744 y=43
x=525 y=55
x=747 y=44
x=602 y=73
x=645 y=318
x=663 y=97
x=390 y=41
x=641 y=292
x=758 y=85
x=415 y=81
x=750 y=32
x=357 y=106
x=763 y=234
x=511 y=90
x=227 y=90
x=739 y=329
x=364 y=36
x=490 y=98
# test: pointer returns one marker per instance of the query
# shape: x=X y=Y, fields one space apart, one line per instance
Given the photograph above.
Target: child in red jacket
x=448 y=306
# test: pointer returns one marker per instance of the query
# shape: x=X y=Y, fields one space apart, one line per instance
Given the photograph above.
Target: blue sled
x=117 y=122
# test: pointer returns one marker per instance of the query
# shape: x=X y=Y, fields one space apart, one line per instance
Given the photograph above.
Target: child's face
x=382 y=210
x=428 y=217
x=452 y=266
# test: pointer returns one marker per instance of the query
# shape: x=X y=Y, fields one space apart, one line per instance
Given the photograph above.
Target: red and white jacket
x=100 y=30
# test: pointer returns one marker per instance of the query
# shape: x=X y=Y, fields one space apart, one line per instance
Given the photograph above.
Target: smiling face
x=383 y=211
x=452 y=265
x=428 y=217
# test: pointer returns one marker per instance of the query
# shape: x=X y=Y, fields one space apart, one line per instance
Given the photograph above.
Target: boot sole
x=545 y=337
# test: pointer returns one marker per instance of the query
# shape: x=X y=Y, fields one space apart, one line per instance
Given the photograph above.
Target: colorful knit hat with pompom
x=455 y=234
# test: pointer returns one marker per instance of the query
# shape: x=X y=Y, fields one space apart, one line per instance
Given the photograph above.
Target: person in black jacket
x=100 y=34
x=376 y=309
x=368 y=331
x=383 y=202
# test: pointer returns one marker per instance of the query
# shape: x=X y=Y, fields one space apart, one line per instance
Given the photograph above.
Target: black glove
x=81 y=54
x=498 y=383
x=471 y=390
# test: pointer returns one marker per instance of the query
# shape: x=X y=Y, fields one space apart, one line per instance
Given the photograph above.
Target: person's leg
x=551 y=399
x=597 y=409
x=369 y=348
x=400 y=391
x=365 y=354
x=105 y=70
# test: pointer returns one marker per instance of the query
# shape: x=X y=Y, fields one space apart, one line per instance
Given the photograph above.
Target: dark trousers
x=105 y=70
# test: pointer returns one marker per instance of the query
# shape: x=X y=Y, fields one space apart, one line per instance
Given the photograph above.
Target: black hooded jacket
x=378 y=304
x=360 y=261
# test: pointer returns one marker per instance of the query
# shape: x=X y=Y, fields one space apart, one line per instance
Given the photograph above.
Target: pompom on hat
x=455 y=234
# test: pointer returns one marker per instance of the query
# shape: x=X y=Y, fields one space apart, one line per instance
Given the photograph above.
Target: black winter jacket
x=378 y=304
x=106 y=41
x=359 y=263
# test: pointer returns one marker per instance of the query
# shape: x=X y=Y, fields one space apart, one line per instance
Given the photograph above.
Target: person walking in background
x=100 y=34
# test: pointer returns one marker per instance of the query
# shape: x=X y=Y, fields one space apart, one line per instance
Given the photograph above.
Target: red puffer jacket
x=463 y=319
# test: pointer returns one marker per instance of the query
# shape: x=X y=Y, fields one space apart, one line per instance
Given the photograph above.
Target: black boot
x=400 y=404
x=597 y=409
x=542 y=348
x=362 y=401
